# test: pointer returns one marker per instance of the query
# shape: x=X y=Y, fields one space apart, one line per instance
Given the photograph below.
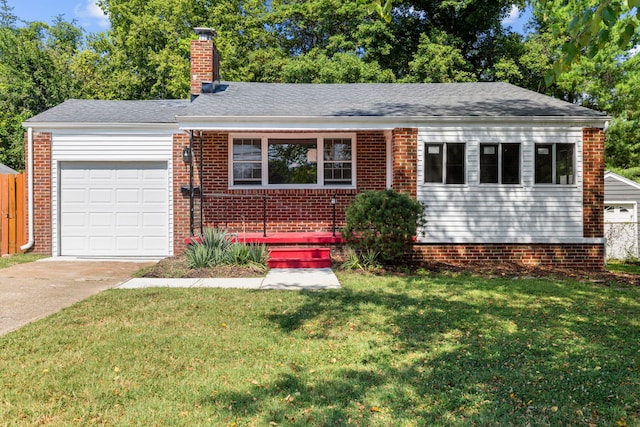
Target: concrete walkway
x=276 y=279
x=34 y=290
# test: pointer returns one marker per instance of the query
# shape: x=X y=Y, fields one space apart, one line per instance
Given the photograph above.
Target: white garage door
x=621 y=230
x=114 y=209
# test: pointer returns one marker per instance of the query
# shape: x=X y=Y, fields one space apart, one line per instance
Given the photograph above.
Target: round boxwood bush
x=383 y=222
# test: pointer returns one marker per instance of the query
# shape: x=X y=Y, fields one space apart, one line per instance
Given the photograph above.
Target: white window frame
x=320 y=137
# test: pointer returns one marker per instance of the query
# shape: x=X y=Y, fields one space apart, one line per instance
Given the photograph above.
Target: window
x=247 y=165
x=445 y=163
x=500 y=163
x=293 y=161
x=337 y=161
x=555 y=164
x=289 y=160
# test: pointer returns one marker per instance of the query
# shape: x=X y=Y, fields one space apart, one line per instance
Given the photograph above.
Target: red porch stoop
x=299 y=257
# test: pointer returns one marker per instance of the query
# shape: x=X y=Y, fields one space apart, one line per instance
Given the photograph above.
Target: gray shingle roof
x=326 y=100
x=98 y=111
x=395 y=100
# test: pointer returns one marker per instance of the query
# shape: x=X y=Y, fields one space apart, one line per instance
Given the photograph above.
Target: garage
x=621 y=230
x=113 y=209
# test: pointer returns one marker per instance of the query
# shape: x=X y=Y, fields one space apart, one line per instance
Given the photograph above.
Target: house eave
x=254 y=123
x=45 y=126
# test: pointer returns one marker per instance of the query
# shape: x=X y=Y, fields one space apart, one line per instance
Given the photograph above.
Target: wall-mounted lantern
x=186 y=154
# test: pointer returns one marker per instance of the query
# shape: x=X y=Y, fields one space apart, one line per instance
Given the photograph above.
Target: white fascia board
x=243 y=123
x=48 y=126
x=622 y=179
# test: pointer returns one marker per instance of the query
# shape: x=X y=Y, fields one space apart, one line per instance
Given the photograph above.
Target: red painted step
x=298 y=257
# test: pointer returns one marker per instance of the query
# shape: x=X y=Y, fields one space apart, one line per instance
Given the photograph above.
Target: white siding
x=103 y=146
x=492 y=213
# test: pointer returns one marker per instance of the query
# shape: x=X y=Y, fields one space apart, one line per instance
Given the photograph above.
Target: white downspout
x=30 y=242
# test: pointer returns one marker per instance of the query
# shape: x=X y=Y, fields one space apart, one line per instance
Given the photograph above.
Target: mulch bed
x=517 y=270
x=177 y=267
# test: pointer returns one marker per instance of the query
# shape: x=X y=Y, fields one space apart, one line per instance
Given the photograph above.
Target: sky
x=90 y=17
x=86 y=13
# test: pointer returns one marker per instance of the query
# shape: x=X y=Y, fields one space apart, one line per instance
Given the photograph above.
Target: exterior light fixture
x=186 y=155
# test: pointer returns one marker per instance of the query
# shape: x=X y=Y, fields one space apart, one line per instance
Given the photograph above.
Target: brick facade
x=204 y=64
x=180 y=201
x=41 y=192
x=593 y=182
x=405 y=160
x=287 y=210
x=579 y=256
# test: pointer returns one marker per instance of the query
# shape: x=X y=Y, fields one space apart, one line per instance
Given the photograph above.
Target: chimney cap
x=205 y=33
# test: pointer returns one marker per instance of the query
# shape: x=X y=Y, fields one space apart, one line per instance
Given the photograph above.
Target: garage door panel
x=101 y=195
x=149 y=243
x=101 y=175
x=100 y=244
x=129 y=195
x=71 y=195
x=114 y=209
x=101 y=219
x=152 y=220
x=128 y=219
x=154 y=197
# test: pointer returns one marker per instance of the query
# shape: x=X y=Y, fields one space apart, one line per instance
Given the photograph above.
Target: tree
x=589 y=30
x=35 y=75
x=593 y=26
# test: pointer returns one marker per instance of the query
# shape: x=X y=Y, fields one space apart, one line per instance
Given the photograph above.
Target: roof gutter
x=31 y=239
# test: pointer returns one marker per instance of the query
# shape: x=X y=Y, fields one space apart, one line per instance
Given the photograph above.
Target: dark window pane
x=455 y=164
x=511 y=163
x=293 y=161
x=488 y=163
x=564 y=164
x=433 y=163
x=543 y=159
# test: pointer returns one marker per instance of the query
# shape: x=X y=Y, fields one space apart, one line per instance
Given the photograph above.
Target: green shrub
x=366 y=260
x=238 y=254
x=214 y=238
x=258 y=254
x=382 y=225
x=199 y=256
x=215 y=247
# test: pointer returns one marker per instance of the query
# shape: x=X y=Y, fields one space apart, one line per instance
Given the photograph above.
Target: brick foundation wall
x=578 y=256
x=41 y=192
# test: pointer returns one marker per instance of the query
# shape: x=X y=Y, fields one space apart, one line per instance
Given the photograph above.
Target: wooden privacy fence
x=12 y=213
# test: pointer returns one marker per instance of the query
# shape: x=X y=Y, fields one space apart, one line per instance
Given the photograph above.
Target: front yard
x=426 y=349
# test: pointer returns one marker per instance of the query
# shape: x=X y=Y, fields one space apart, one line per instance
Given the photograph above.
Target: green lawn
x=8 y=261
x=441 y=349
x=623 y=267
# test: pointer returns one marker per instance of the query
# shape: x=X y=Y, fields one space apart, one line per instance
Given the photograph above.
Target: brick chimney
x=205 y=61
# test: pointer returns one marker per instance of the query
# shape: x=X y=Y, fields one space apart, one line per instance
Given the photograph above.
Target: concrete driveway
x=35 y=290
